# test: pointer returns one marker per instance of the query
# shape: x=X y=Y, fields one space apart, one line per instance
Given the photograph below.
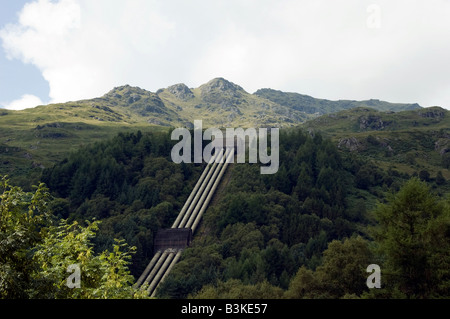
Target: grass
x=36 y=138
x=41 y=136
x=412 y=135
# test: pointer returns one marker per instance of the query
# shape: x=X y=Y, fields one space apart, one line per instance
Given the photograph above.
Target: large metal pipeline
x=189 y=217
x=198 y=195
x=194 y=191
x=154 y=283
x=150 y=266
x=207 y=191
x=172 y=263
x=155 y=269
x=211 y=193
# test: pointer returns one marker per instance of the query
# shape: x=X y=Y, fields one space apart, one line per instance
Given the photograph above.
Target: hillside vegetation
x=310 y=105
x=359 y=183
x=37 y=138
x=308 y=231
x=413 y=142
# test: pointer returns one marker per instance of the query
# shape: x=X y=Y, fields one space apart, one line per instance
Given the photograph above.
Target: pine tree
x=440 y=179
x=413 y=236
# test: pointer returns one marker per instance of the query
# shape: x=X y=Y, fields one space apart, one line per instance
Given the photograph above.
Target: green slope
x=33 y=139
x=409 y=141
x=310 y=105
x=39 y=137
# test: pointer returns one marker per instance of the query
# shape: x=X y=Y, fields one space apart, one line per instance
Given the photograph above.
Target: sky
x=65 y=50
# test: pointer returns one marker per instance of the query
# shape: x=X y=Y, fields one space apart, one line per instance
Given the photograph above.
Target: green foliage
x=22 y=219
x=424 y=175
x=411 y=245
x=341 y=273
x=198 y=266
x=129 y=183
x=368 y=175
x=284 y=232
x=446 y=160
x=343 y=270
x=35 y=254
x=264 y=228
x=235 y=289
x=413 y=237
x=104 y=275
x=440 y=179
x=407 y=141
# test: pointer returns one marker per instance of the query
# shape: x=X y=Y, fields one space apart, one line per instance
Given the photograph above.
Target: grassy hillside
x=310 y=105
x=35 y=138
x=408 y=141
x=264 y=235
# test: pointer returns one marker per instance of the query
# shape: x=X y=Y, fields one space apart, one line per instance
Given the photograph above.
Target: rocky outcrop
x=156 y=121
x=372 y=122
x=442 y=146
x=181 y=92
x=220 y=84
x=432 y=113
x=350 y=143
x=222 y=92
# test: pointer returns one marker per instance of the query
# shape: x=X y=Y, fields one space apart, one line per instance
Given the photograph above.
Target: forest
x=309 y=231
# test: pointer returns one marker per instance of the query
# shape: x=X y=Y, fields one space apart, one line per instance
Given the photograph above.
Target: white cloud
x=325 y=49
x=25 y=102
x=84 y=48
x=322 y=48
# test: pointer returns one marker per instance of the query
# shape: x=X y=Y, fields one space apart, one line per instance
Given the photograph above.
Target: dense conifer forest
x=309 y=231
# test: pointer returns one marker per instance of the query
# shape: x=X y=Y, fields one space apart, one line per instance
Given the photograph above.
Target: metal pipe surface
x=147 y=269
x=160 y=273
x=211 y=193
x=194 y=191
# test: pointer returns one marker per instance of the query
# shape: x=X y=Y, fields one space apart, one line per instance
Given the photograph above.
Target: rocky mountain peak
x=126 y=91
x=221 y=85
x=181 y=91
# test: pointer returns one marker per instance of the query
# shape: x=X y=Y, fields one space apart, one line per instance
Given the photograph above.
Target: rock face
x=350 y=143
x=156 y=122
x=432 y=113
x=221 y=102
x=126 y=92
x=223 y=92
x=181 y=92
x=141 y=102
x=372 y=122
x=442 y=146
x=221 y=85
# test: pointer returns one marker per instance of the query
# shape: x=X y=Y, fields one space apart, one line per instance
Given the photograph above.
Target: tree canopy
x=37 y=251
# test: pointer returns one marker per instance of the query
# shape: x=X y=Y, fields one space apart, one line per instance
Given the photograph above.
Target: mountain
x=407 y=141
x=363 y=119
x=38 y=137
x=310 y=105
x=221 y=103
x=108 y=159
x=218 y=102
